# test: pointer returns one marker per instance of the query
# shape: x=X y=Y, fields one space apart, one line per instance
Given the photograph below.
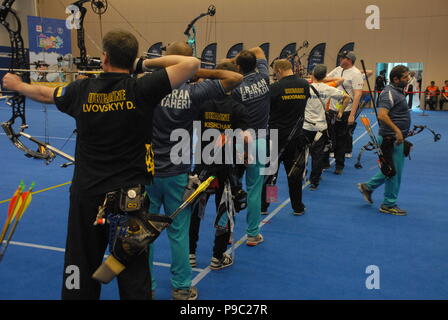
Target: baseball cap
x=349 y=55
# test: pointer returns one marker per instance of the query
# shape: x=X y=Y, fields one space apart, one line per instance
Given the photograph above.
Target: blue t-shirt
x=394 y=100
x=178 y=110
x=253 y=92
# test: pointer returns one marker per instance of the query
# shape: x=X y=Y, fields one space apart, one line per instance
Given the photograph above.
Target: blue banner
x=50 y=47
x=265 y=47
x=288 y=51
x=234 y=50
x=208 y=56
x=347 y=47
x=316 y=56
x=155 y=50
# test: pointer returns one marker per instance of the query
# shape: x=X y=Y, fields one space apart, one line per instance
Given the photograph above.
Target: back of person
x=253 y=92
x=288 y=101
x=315 y=111
x=178 y=110
x=112 y=113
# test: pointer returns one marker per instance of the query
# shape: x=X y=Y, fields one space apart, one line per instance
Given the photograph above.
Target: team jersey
x=177 y=111
x=113 y=116
x=288 y=101
x=253 y=92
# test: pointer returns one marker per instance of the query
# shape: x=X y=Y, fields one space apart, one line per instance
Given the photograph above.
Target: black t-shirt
x=221 y=114
x=288 y=101
x=113 y=116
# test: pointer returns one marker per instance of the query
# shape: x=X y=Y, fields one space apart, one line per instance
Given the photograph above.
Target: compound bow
x=192 y=36
x=19 y=60
x=79 y=13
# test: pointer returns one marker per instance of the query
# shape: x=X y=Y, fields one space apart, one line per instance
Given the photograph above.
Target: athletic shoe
x=264 y=213
x=313 y=186
x=348 y=155
x=331 y=154
x=253 y=241
x=225 y=261
x=299 y=213
x=395 y=210
x=366 y=192
x=185 y=294
x=338 y=171
x=193 y=260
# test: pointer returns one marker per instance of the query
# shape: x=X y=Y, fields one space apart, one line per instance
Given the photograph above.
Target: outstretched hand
x=11 y=81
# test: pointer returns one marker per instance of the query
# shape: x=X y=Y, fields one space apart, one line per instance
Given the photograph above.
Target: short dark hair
x=226 y=66
x=247 y=61
x=122 y=47
x=397 y=72
x=320 y=72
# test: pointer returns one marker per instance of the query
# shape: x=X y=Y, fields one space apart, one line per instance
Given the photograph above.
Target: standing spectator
x=431 y=94
x=444 y=95
x=380 y=83
x=412 y=85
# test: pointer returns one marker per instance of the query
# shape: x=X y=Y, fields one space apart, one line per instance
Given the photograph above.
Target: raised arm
x=179 y=68
x=229 y=79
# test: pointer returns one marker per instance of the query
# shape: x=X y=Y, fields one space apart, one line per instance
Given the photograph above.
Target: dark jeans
x=294 y=182
x=85 y=247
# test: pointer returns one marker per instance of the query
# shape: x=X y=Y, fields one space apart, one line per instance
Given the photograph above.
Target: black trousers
x=431 y=101
x=294 y=182
x=317 y=154
x=341 y=136
x=221 y=236
x=85 y=247
x=410 y=95
x=442 y=102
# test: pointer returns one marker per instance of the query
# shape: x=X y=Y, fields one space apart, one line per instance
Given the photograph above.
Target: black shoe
x=326 y=166
x=366 y=192
x=300 y=212
x=338 y=171
x=313 y=186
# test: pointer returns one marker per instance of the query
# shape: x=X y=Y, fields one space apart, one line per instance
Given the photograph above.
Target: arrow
x=19 y=210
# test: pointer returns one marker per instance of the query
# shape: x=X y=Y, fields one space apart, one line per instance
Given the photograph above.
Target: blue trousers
x=169 y=192
x=392 y=185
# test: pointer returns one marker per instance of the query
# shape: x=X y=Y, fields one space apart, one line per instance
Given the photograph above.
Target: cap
x=349 y=55
x=320 y=71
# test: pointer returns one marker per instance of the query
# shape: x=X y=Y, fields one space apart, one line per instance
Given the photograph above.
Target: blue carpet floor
x=321 y=255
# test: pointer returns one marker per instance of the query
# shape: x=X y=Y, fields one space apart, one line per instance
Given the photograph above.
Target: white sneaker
x=253 y=241
x=193 y=260
x=348 y=155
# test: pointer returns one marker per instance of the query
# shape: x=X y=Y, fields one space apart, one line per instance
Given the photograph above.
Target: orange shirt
x=445 y=91
x=432 y=90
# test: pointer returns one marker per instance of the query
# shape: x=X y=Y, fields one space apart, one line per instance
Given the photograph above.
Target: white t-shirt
x=315 y=111
x=353 y=80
